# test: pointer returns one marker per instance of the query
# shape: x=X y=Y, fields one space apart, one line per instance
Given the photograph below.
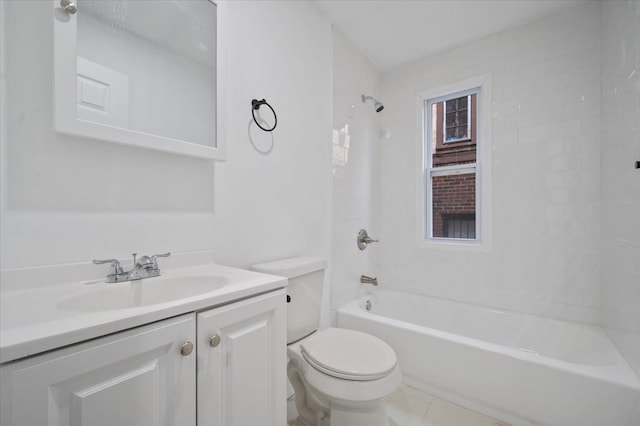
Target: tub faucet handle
x=364 y=239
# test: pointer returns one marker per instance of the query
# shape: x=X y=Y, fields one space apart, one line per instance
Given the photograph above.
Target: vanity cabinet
x=135 y=377
x=242 y=363
x=230 y=359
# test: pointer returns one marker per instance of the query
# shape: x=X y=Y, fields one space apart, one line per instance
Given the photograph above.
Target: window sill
x=458 y=141
x=454 y=245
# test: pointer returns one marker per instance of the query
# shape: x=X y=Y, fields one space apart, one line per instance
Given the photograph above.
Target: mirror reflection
x=148 y=66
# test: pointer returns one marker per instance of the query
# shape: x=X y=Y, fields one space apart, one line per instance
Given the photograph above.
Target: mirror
x=143 y=73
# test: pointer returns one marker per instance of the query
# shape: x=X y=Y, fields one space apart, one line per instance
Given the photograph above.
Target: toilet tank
x=304 y=291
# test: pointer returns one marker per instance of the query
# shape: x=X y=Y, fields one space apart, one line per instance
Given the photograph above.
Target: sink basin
x=149 y=291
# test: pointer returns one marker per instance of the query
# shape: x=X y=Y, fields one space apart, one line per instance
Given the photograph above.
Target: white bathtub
x=522 y=368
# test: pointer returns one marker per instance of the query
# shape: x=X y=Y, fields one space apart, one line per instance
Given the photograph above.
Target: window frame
x=482 y=169
x=455 y=169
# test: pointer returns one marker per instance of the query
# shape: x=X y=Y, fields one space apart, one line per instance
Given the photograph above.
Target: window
x=457 y=119
x=452 y=147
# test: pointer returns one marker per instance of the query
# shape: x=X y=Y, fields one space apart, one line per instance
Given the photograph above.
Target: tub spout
x=368 y=280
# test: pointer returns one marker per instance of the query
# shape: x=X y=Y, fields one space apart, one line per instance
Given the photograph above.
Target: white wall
x=68 y=199
x=620 y=180
x=356 y=170
x=546 y=181
x=276 y=205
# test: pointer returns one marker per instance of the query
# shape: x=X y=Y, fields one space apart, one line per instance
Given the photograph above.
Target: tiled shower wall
x=620 y=180
x=546 y=187
x=355 y=170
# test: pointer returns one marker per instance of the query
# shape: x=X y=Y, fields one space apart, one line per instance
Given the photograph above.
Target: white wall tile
x=356 y=183
x=546 y=183
x=620 y=181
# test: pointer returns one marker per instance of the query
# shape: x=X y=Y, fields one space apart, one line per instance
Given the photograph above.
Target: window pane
x=459 y=226
x=451 y=120
x=454 y=204
x=452 y=133
x=451 y=105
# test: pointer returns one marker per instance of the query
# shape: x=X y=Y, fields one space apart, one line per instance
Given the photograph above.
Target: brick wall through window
x=454 y=199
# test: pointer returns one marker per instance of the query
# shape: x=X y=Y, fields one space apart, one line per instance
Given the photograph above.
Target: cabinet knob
x=214 y=341
x=186 y=348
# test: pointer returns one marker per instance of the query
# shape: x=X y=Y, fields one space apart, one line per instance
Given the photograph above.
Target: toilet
x=341 y=377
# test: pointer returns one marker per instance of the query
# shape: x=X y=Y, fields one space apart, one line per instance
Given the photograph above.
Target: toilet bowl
x=341 y=377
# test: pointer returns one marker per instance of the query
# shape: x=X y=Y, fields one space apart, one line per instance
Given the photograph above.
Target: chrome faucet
x=145 y=267
x=368 y=280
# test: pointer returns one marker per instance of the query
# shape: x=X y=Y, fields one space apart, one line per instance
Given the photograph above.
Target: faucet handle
x=116 y=268
x=155 y=257
x=167 y=254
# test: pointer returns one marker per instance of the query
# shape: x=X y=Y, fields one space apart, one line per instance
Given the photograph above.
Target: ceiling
x=391 y=33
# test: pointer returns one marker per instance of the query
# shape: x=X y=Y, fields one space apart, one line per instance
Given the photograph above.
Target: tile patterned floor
x=411 y=407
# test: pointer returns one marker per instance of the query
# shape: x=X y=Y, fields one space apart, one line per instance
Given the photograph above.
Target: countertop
x=34 y=320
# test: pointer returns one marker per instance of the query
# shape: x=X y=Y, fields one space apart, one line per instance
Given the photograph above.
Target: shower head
x=376 y=103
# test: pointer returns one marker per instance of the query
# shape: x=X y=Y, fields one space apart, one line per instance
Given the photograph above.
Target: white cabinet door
x=133 y=378
x=242 y=376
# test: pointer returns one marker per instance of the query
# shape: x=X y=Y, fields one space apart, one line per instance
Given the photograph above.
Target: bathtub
x=524 y=369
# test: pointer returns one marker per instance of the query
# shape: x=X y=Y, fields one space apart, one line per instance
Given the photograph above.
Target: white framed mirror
x=143 y=73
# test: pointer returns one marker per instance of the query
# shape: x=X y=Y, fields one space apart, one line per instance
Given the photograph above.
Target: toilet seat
x=348 y=354
x=338 y=389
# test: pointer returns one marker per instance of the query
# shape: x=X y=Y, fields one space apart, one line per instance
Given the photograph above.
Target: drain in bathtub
x=367 y=305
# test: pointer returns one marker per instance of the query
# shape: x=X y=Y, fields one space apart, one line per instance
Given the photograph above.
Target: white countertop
x=34 y=320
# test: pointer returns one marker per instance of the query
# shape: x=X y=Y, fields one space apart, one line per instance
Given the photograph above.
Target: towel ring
x=255 y=105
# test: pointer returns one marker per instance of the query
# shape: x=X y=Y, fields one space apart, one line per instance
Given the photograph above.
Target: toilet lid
x=349 y=354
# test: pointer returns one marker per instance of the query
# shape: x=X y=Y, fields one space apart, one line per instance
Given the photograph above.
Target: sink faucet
x=145 y=267
x=368 y=280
